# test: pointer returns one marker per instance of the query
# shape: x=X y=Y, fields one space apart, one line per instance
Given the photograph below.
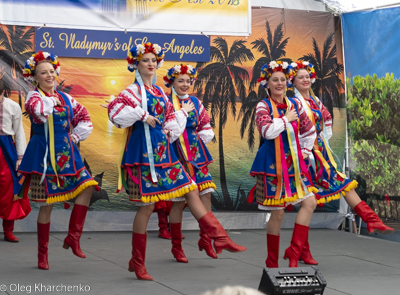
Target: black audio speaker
x=300 y=280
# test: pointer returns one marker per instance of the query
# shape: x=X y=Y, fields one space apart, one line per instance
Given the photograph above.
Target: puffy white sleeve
x=269 y=128
x=307 y=131
x=327 y=120
x=19 y=134
x=174 y=126
x=181 y=118
x=125 y=109
x=81 y=123
x=204 y=128
x=38 y=107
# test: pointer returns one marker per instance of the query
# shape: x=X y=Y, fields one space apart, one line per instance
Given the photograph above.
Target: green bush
x=374 y=130
x=374 y=109
x=377 y=166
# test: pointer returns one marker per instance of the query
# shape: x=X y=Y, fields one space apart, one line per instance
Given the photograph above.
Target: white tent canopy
x=351 y=5
x=320 y=5
x=311 y=5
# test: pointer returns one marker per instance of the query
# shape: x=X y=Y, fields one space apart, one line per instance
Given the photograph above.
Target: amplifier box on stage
x=300 y=280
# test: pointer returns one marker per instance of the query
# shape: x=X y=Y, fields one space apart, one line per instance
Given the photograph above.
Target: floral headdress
x=177 y=70
x=136 y=54
x=275 y=66
x=300 y=64
x=30 y=65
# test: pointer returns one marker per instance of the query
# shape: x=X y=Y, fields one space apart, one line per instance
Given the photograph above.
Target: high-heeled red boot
x=299 y=237
x=76 y=222
x=136 y=264
x=43 y=234
x=209 y=224
x=205 y=244
x=306 y=256
x=374 y=223
x=176 y=235
x=273 y=251
x=163 y=225
x=8 y=227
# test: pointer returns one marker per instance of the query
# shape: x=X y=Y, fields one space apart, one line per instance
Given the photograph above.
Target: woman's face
x=45 y=75
x=302 y=80
x=181 y=84
x=277 y=84
x=148 y=64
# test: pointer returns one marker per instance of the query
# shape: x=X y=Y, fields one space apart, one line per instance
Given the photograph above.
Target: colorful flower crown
x=300 y=64
x=30 y=65
x=274 y=66
x=177 y=70
x=136 y=54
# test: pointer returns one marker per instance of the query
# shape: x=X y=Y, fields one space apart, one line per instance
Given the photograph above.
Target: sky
x=350 y=5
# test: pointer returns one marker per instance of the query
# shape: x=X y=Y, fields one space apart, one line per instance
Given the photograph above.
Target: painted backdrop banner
x=372 y=59
x=237 y=60
x=109 y=44
x=222 y=17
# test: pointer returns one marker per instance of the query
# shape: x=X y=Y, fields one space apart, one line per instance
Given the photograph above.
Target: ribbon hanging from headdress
x=183 y=142
x=147 y=130
x=297 y=157
x=49 y=135
x=281 y=172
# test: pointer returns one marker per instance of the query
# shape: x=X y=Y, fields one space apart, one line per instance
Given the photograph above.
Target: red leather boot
x=43 y=234
x=299 y=237
x=8 y=227
x=205 y=244
x=273 y=251
x=209 y=224
x=305 y=255
x=176 y=235
x=76 y=222
x=163 y=225
x=136 y=264
x=374 y=223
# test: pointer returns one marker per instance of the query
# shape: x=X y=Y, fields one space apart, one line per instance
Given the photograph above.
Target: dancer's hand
x=152 y=121
x=292 y=116
x=58 y=102
x=305 y=156
x=15 y=198
x=105 y=105
x=17 y=166
x=188 y=107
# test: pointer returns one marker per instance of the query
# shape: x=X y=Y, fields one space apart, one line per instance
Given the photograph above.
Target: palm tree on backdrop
x=273 y=48
x=248 y=115
x=16 y=46
x=219 y=84
x=328 y=81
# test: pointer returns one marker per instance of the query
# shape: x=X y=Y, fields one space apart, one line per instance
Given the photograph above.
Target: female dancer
x=330 y=182
x=11 y=151
x=191 y=145
x=282 y=177
x=150 y=170
x=52 y=163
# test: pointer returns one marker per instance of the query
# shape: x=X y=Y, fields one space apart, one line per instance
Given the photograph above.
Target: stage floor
x=351 y=264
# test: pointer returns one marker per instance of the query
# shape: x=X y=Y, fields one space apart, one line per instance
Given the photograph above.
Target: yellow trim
x=71 y=195
x=207 y=185
x=352 y=185
x=294 y=198
x=169 y=196
x=51 y=144
x=120 y=156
